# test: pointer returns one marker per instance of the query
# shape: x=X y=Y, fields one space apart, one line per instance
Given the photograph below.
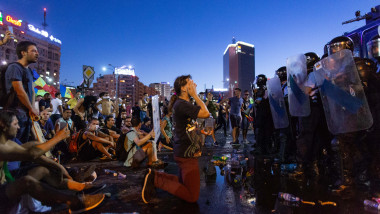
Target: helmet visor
x=373 y=48
x=335 y=47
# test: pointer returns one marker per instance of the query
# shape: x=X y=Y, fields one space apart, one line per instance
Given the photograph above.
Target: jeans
x=25 y=124
x=187 y=185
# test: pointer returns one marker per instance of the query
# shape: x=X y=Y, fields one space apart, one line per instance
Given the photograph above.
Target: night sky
x=164 y=39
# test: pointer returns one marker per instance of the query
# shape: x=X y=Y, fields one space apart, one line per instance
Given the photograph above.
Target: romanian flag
x=65 y=92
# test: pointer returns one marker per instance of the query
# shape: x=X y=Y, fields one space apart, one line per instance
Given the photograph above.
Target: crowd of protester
x=88 y=127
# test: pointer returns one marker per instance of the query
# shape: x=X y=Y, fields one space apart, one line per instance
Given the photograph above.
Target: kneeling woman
x=187 y=185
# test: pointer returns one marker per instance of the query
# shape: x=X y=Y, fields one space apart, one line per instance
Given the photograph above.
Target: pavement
x=223 y=192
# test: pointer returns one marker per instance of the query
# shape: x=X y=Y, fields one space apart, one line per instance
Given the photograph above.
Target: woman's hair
x=178 y=83
x=165 y=110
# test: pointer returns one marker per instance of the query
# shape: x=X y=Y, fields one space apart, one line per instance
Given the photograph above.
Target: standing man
x=245 y=111
x=107 y=105
x=19 y=86
x=235 y=104
x=56 y=103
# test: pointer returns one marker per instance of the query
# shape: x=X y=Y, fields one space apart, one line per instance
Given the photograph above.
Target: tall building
x=238 y=66
x=49 y=47
x=162 y=88
x=129 y=87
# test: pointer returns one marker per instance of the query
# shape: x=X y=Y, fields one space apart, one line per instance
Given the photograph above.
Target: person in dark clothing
x=187 y=187
x=19 y=86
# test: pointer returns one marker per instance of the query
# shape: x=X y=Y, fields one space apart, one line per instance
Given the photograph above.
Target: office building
x=238 y=66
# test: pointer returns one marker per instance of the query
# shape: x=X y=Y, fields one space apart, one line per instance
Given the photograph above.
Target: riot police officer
x=263 y=123
x=313 y=128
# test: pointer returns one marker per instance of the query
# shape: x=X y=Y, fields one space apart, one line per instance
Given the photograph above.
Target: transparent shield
x=277 y=103
x=299 y=104
x=342 y=94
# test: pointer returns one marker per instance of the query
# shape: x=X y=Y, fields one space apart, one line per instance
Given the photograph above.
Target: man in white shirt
x=37 y=103
x=57 y=107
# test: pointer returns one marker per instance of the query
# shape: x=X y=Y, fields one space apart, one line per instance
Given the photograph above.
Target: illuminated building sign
x=125 y=70
x=1 y=18
x=15 y=22
x=43 y=33
x=36 y=30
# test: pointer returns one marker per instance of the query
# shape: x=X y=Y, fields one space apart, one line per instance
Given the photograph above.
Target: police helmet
x=261 y=80
x=311 y=59
x=366 y=68
x=339 y=43
x=373 y=48
x=281 y=73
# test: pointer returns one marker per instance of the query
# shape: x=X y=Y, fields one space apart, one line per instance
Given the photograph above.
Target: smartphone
x=62 y=125
x=10 y=28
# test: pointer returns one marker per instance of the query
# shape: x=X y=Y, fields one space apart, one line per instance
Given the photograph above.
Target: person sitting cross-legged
x=95 y=143
x=41 y=182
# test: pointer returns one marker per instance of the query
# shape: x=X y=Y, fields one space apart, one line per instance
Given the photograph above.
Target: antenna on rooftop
x=44 y=24
x=233 y=40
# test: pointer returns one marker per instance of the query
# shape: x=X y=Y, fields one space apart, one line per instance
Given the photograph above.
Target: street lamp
x=4 y=62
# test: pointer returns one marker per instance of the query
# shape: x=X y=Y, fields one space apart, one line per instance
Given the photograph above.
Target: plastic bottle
x=288 y=197
x=372 y=204
x=108 y=171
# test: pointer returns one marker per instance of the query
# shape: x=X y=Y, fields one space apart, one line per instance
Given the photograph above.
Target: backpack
x=7 y=99
x=122 y=147
x=73 y=144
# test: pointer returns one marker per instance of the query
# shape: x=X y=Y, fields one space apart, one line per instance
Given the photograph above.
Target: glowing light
x=4 y=62
x=45 y=9
x=124 y=70
x=13 y=21
x=1 y=18
x=38 y=31
x=104 y=68
x=52 y=38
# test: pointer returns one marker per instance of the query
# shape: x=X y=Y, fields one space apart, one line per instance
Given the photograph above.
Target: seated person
x=46 y=125
x=166 y=130
x=61 y=123
x=127 y=125
x=138 y=140
x=120 y=119
x=94 y=143
x=146 y=126
x=28 y=181
x=110 y=129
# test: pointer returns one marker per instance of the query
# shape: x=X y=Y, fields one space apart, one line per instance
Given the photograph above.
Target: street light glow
x=4 y=62
x=104 y=68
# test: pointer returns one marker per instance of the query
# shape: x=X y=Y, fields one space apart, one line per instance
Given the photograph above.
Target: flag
x=65 y=92
x=40 y=82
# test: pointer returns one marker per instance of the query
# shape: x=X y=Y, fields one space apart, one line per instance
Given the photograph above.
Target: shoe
x=216 y=143
x=158 y=164
x=84 y=173
x=246 y=141
x=148 y=189
x=92 y=190
x=89 y=202
x=235 y=143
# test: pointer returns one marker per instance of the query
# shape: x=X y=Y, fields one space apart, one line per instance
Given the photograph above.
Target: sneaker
x=216 y=143
x=89 y=202
x=246 y=141
x=148 y=189
x=235 y=143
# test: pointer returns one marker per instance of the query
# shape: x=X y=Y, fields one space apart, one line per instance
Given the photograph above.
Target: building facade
x=162 y=88
x=49 y=47
x=129 y=87
x=238 y=66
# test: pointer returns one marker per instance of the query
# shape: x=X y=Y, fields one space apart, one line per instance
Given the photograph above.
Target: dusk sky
x=166 y=38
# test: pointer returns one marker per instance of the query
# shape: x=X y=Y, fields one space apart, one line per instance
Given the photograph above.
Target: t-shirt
x=44 y=103
x=55 y=103
x=48 y=127
x=212 y=108
x=72 y=103
x=62 y=122
x=235 y=104
x=131 y=136
x=113 y=128
x=16 y=72
x=183 y=113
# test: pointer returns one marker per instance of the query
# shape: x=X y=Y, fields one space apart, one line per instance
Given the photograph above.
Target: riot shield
x=277 y=103
x=342 y=93
x=299 y=104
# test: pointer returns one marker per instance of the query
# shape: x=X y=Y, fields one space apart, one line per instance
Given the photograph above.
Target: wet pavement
x=224 y=189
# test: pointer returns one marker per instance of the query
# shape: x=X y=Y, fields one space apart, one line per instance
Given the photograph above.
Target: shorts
x=235 y=120
x=245 y=123
x=6 y=205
